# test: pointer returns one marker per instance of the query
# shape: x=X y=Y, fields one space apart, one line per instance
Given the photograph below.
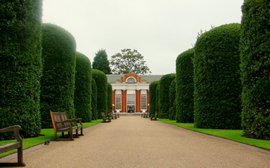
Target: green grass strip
x=47 y=134
x=234 y=135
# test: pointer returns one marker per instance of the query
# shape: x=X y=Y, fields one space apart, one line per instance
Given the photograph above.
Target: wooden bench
x=154 y=117
x=14 y=145
x=62 y=124
x=105 y=118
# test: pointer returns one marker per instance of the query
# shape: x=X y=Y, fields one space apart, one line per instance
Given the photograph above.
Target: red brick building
x=131 y=92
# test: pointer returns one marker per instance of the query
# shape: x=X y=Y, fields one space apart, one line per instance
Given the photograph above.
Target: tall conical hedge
x=153 y=98
x=185 y=87
x=255 y=67
x=157 y=99
x=20 y=64
x=217 y=85
x=164 y=99
x=109 y=97
x=172 y=97
x=83 y=88
x=58 y=79
x=94 y=100
x=101 y=83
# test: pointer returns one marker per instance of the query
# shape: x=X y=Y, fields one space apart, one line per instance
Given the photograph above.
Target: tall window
x=118 y=100
x=143 y=100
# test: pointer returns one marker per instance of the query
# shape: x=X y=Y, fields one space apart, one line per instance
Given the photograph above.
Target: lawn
x=235 y=135
x=47 y=134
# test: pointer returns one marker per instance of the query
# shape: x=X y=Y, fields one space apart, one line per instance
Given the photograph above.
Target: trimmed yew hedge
x=101 y=83
x=158 y=98
x=217 y=78
x=82 y=95
x=185 y=87
x=172 y=96
x=94 y=100
x=58 y=80
x=153 y=98
x=20 y=65
x=164 y=99
x=255 y=67
x=109 y=97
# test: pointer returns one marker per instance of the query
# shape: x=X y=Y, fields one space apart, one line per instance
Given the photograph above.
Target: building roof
x=144 y=78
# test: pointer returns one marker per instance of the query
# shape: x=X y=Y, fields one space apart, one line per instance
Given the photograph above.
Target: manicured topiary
x=82 y=95
x=158 y=98
x=185 y=87
x=255 y=67
x=94 y=100
x=217 y=85
x=164 y=99
x=172 y=98
x=153 y=97
x=58 y=79
x=101 y=83
x=109 y=98
x=20 y=65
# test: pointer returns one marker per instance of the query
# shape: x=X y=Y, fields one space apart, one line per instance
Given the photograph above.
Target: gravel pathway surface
x=135 y=142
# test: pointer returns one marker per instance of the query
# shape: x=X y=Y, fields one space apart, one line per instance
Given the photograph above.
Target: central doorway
x=131 y=102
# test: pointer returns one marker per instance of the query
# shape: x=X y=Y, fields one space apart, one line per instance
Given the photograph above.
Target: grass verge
x=234 y=135
x=46 y=135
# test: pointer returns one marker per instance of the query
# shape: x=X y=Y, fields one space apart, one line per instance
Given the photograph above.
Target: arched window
x=131 y=80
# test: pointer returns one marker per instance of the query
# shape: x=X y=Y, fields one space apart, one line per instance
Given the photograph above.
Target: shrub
x=94 y=100
x=109 y=97
x=153 y=97
x=164 y=100
x=158 y=98
x=20 y=65
x=185 y=87
x=58 y=80
x=255 y=68
x=82 y=95
x=217 y=84
x=172 y=95
x=101 y=83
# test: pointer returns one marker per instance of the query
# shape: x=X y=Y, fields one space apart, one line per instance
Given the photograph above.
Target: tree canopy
x=101 y=62
x=129 y=61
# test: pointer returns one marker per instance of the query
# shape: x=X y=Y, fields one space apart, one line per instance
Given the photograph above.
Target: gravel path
x=135 y=142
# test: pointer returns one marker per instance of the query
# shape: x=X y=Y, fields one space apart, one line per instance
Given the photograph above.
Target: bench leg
x=71 y=135
x=20 y=157
x=81 y=131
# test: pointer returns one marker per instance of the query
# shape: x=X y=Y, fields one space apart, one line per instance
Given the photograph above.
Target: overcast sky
x=159 y=29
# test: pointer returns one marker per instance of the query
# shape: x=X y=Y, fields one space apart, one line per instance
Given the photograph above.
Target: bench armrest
x=15 y=129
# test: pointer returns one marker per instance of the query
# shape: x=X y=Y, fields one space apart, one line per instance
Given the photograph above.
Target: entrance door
x=131 y=102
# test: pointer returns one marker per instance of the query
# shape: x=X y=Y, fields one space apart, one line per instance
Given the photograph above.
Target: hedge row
x=94 y=100
x=153 y=98
x=101 y=83
x=109 y=98
x=164 y=100
x=255 y=68
x=20 y=65
x=185 y=87
x=217 y=85
x=58 y=79
x=82 y=96
x=172 y=98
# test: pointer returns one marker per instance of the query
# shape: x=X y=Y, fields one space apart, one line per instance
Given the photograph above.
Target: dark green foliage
x=185 y=87
x=101 y=83
x=20 y=64
x=164 y=99
x=94 y=100
x=217 y=85
x=172 y=98
x=255 y=67
x=109 y=97
x=157 y=99
x=101 y=62
x=153 y=98
x=58 y=80
x=82 y=95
